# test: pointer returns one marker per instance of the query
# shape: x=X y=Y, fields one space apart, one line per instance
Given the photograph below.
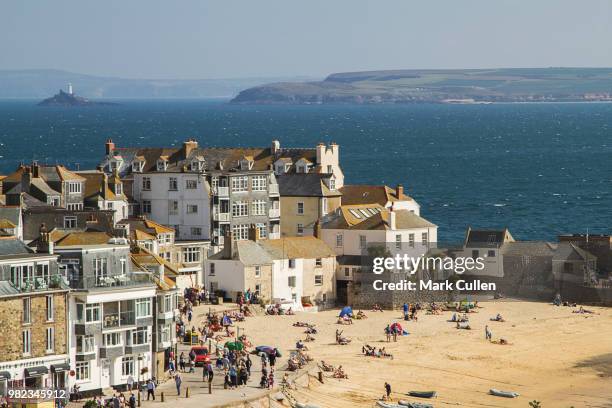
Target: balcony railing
x=55 y=281
x=273 y=189
x=274 y=213
x=112 y=281
x=221 y=191
x=114 y=320
x=220 y=216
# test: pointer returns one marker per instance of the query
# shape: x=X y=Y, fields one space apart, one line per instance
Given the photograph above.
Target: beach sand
x=557 y=357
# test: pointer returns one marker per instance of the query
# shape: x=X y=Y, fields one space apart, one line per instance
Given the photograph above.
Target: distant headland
x=70 y=99
x=441 y=86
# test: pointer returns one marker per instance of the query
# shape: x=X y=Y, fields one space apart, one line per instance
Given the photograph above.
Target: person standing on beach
x=405 y=307
x=488 y=333
x=248 y=364
x=388 y=390
x=273 y=358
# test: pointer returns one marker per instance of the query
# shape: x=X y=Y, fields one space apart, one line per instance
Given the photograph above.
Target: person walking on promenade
x=150 y=390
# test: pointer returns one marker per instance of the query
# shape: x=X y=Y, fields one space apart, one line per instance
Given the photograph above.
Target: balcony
x=274 y=213
x=118 y=319
x=221 y=191
x=41 y=283
x=220 y=216
x=273 y=189
x=112 y=281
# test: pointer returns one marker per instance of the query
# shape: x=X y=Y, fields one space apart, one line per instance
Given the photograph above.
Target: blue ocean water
x=539 y=169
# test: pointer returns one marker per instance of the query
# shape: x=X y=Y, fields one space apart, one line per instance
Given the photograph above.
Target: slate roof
x=566 y=251
x=304 y=185
x=98 y=187
x=297 y=247
x=144 y=229
x=13 y=247
x=10 y=213
x=374 y=217
x=247 y=252
x=528 y=248
x=367 y=194
x=487 y=237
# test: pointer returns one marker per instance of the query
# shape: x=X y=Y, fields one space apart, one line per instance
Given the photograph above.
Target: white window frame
x=27 y=310
x=318 y=280
x=146 y=183
x=259 y=183
x=172 y=184
x=115 y=337
x=191 y=184
x=143 y=308
x=87 y=344
x=70 y=222
x=257 y=271
x=127 y=366
x=240 y=232
x=82 y=370
x=262 y=229
x=50 y=339
x=191 y=254
x=26 y=338
x=300 y=208
x=50 y=304
x=240 y=209
x=258 y=207
x=239 y=184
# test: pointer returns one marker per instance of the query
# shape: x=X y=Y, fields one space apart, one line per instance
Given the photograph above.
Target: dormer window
x=198 y=165
x=162 y=165
x=118 y=189
x=115 y=163
x=74 y=187
x=282 y=165
x=137 y=166
x=246 y=163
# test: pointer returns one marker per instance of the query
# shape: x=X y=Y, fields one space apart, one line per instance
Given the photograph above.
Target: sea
x=540 y=169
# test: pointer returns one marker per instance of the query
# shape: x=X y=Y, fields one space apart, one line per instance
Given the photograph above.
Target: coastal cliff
x=441 y=86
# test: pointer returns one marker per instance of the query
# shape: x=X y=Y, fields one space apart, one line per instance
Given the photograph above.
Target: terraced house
x=33 y=304
x=111 y=308
x=205 y=192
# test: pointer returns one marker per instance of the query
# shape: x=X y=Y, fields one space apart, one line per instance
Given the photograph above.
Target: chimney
x=229 y=246
x=35 y=170
x=45 y=245
x=320 y=152
x=392 y=219
x=188 y=147
x=253 y=233
x=317 y=229
x=399 y=191
x=110 y=147
x=275 y=147
x=26 y=179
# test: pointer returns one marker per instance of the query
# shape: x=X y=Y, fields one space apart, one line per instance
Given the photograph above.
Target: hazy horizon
x=274 y=38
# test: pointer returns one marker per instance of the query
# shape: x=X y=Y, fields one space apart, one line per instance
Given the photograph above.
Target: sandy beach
x=555 y=356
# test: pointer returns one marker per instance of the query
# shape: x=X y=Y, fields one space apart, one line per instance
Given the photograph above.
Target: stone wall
x=11 y=342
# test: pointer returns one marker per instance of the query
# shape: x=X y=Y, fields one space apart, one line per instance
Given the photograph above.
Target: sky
x=192 y=39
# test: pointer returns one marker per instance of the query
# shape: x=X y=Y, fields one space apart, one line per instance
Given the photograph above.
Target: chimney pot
x=399 y=191
x=110 y=146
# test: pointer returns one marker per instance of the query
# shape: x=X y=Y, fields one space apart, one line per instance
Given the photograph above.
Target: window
x=21 y=275
x=211 y=269
x=113 y=339
x=74 y=187
x=330 y=169
x=173 y=207
x=82 y=370
x=291 y=281
x=164 y=335
x=85 y=344
x=398 y=241
x=172 y=184
x=70 y=222
x=332 y=184
x=26 y=338
x=50 y=339
x=239 y=184
x=411 y=240
x=300 y=230
x=491 y=253
x=240 y=231
x=424 y=238
x=259 y=183
x=318 y=262
x=139 y=336
x=146 y=206
x=191 y=254
x=168 y=303
x=191 y=184
x=258 y=288
x=192 y=209
x=49 y=308
x=162 y=165
x=318 y=280
x=339 y=240
x=362 y=242
x=262 y=229
x=300 y=208
x=127 y=366
x=258 y=207
x=92 y=313
x=347 y=271
x=324 y=205
x=146 y=183
x=100 y=268
x=240 y=209
x=196 y=231
x=75 y=206
x=258 y=271
x=137 y=166
x=198 y=165
x=291 y=263
x=118 y=189
x=143 y=307
x=27 y=312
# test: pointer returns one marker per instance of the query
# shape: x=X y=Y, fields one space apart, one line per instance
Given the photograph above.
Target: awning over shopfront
x=36 y=371
x=5 y=375
x=60 y=368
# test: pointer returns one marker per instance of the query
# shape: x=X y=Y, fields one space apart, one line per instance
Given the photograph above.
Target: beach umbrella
x=346 y=310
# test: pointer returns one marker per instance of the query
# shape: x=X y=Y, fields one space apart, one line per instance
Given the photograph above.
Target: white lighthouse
x=69 y=88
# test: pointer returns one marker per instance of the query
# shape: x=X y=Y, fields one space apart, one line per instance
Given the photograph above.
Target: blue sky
x=265 y=38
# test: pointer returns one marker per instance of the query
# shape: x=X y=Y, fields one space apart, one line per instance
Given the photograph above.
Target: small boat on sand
x=414 y=404
x=505 y=394
x=383 y=404
x=422 y=394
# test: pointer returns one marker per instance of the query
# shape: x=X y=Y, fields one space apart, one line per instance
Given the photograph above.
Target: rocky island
x=70 y=99
x=441 y=86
